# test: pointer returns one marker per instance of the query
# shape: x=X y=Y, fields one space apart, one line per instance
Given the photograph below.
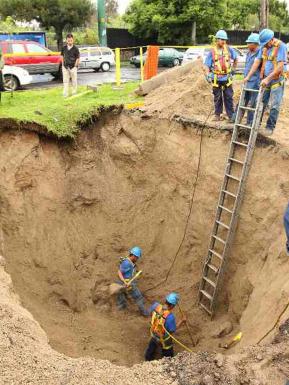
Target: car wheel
x=96 y=69
x=58 y=75
x=11 y=83
x=137 y=65
x=176 y=62
x=105 y=67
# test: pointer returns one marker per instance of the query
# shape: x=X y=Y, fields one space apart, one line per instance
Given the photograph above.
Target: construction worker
x=272 y=58
x=253 y=43
x=219 y=72
x=127 y=270
x=163 y=324
x=286 y=224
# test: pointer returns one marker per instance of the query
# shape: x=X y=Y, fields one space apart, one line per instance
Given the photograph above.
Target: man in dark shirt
x=70 y=63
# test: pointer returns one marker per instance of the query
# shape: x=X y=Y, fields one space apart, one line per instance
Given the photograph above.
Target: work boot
x=267 y=132
x=217 y=118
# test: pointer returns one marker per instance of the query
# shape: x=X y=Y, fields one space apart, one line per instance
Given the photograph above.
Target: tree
x=171 y=20
x=60 y=14
x=111 y=8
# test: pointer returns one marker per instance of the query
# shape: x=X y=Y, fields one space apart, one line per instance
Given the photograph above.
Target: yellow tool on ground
x=187 y=326
x=115 y=288
x=131 y=106
x=236 y=339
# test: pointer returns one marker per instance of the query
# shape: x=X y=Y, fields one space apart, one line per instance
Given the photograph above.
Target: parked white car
x=96 y=58
x=15 y=77
x=195 y=53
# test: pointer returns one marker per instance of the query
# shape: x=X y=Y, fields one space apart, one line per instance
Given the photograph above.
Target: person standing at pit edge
x=127 y=270
x=163 y=324
x=219 y=72
x=272 y=57
x=70 y=63
x=286 y=224
x=250 y=99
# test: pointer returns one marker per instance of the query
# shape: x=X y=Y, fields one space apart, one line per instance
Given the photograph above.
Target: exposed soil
x=69 y=210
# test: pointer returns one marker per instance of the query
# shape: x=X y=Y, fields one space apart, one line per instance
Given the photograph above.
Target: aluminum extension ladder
x=237 y=168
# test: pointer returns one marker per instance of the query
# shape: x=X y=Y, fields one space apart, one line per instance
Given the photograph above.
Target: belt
x=275 y=85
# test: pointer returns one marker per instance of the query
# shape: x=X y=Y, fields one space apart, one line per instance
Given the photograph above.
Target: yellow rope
x=178 y=342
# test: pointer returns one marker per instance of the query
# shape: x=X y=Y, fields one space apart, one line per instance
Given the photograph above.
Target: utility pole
x=101 y=18
x=264 y=14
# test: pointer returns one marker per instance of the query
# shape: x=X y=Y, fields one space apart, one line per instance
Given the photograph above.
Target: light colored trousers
x=67 y=75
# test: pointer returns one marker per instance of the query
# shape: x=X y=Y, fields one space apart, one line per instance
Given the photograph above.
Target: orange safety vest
x=158 y=330
x=222 y=64
x=272 y=58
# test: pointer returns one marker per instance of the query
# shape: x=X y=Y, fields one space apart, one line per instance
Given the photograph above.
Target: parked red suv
x=32 y=56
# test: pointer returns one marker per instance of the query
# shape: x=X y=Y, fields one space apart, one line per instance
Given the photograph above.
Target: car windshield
x=35 y=48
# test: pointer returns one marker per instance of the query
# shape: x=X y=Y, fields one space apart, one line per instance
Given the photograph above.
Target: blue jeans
x=250 y=100
x=286 y=224
x=276 y=95
x=135 y=294
x=223 y=95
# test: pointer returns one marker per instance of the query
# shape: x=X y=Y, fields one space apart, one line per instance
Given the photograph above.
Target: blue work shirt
x=254 y=82
x=281 y=57
x=170 y=322
x=209 y=62
x=127 y=269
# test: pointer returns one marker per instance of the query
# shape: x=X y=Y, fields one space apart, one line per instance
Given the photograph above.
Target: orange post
x=152 y=61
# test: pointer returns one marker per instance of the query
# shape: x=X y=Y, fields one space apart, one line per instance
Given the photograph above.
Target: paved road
x=86 y=77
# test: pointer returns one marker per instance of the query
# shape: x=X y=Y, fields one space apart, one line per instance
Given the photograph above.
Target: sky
x=123 y=4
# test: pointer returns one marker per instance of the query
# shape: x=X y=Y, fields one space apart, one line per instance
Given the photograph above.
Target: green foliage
x=171 y=20
x=62 y=15
x=63 y=117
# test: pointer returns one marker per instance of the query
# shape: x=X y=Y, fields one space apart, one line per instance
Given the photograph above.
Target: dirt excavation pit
x=69 y=210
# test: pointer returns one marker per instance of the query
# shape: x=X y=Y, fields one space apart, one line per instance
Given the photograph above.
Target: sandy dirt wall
x=69 y=210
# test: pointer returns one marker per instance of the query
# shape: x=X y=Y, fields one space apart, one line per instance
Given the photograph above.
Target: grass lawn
x=63 y=116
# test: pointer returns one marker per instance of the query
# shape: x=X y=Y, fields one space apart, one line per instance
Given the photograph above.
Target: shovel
x=115 y=288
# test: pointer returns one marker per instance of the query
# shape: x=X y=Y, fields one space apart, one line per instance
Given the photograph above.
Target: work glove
x=209 y=78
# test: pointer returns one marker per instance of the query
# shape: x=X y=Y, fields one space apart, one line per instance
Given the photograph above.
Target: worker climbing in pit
x=250 y=99
x=286 y=224
x=219 y=72
x=126 y=273
x=272 y=58
x=163 y=325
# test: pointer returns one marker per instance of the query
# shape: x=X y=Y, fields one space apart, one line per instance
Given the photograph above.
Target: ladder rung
x=223 y=224
x=233 y=177
x=205 y=308
x=229 y=193
x=210 y=298
x=240 y=143
x=226 y=209
x=236 y=160
x=243 y=126
x=250 y=90
x=216 y=254
x=213 y=267
x=247 y=108
x=209 y=281
x=219 y=239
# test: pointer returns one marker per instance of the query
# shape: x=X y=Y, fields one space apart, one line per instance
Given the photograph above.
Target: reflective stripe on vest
x=222 y=64
x=158 y=331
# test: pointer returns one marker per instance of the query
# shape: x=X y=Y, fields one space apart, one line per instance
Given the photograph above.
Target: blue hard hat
x=254 y=38
x=136 y=251
x=221 y=34
x=265 y=36
x=173 y=298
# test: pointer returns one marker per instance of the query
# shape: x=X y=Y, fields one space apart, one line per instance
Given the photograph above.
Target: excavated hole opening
x=70 y=210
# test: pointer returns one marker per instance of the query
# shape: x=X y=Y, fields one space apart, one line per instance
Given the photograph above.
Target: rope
x=179 y=342
x=190 y=209
x=275 y=324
